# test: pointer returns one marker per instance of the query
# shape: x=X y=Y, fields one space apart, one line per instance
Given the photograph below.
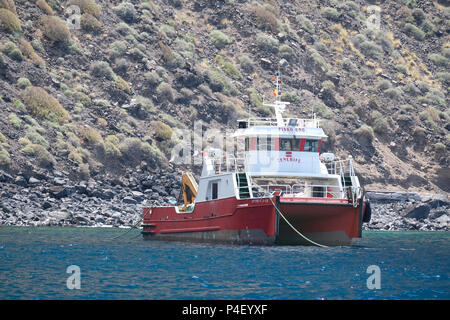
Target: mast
x=279 y=106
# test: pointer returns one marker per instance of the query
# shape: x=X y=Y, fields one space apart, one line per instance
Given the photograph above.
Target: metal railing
x=308 y=123
x=228 y=164
x=341 y=167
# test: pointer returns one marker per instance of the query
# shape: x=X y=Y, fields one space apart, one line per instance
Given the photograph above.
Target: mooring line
x=293 y=228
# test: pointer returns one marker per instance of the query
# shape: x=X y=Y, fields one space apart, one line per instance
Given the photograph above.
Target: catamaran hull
x=257 y=222
x=331 y=223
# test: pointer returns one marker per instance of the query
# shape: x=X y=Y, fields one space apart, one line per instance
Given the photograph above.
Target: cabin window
x=215 y=190
x=296 y=144
x=285 y=145
x=311 y=146
x=265 y=143
x=290 y=144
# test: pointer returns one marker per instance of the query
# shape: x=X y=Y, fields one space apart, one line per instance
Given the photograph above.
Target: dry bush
x=42 y=4
x=90 y=23
x=87 y=6
x=43 y=105
x=9 y=21
x=264 y=18
x=8 y=5
x=28 y=51
x=55 y=29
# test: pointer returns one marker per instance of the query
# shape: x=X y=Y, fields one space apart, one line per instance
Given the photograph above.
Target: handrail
x=301 y=122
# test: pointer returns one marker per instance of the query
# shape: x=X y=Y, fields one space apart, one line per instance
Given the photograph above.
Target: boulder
x=129 y=200
x=419 y=213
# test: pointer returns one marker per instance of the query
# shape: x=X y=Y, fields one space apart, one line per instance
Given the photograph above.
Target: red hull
x=256 y=221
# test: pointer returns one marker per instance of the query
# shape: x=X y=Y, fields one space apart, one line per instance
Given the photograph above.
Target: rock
x=419 y=213
x=59 y=181
x=160 y=189
x=20 y=181
x=4 y=177
x=33 y=181
x=138 y=196
x=46 y=205
x=129 y=200
x=59 y=192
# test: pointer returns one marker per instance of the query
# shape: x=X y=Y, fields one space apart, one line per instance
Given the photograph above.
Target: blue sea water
x=117 y=264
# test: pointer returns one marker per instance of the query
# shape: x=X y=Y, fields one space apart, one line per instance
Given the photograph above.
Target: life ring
x=367 y=212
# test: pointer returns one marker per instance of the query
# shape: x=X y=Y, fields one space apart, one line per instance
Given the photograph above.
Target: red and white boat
x=282 y=191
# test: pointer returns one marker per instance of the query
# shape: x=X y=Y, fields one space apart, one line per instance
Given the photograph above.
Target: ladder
x=242 y=184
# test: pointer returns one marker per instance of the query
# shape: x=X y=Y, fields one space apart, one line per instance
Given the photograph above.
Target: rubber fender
x=367 y=212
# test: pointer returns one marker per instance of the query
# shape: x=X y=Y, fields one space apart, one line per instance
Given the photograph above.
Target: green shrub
x=165 y=92
x=348 y=65
x=55 y=29
x=12 y=51
x=91 y=136
x=168 y=30
x=126 y=11
x=384 y=85
x=219 y=39
x=9 y=21
x=286 y=52
x=36 y=138
x=43 y=105
x=246 y=63
x=162 y=130
x=87 y=6
x=264 y=18
x=205 y=89
x=41 y=154
x=290 y=96
x=23 y=83
x=330 y=13
x=365 y=131
x=5 y=159
x=267 y=42
x=318 y=59
x=171 y=58
x=117 y=48
x=414 y=31
x=418 y=15
x=15 y=120
x=393 y=93
x=89 y=23
x=220 y=82
x=322 y=110
x=134 y=150
x=439 y=147
x=2 y=139
x=379 y=123
x=306 y=24
x=101 y=69
x=371 y=49
x=152 y=78
x=444 y=77
x=439 y=59
x=328 y=86
x=229 y=68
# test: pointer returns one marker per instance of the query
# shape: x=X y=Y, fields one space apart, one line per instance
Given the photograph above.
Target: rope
x=298 y=232
x=135 y=226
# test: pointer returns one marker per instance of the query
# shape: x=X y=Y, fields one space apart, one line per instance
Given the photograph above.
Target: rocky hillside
x=95 y=96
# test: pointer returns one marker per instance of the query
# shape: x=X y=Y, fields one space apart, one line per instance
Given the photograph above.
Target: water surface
x=119 y=264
